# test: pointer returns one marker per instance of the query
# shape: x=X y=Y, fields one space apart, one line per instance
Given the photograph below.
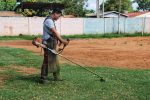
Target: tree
x=75 y=7
x=143 y=5
x=113 y=5
x=7 y=5
x=72 y=7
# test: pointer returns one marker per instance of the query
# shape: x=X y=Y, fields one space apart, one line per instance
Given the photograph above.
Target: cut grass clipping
x=121 y=84
x=84 y=36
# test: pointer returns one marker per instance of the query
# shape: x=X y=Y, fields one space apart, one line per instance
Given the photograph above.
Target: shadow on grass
x=23 y=79
x=30 y=79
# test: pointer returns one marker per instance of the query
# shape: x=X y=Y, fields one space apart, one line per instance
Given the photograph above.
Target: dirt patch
x=128 y=52
x=26 y=70
x=2 y=80
x=2 y=69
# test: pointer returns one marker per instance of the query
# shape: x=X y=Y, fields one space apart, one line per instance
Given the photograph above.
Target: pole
x=103 y=15
x=5 y=5
x=143 y=25
x=97 y=9
x=103 y=8
x=119 y=16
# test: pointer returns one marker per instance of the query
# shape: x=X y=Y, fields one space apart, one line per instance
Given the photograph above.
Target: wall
x=112 y=25
x=145 y=15
x=10 y=26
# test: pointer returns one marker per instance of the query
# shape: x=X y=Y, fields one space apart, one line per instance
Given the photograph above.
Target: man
x=51 y=38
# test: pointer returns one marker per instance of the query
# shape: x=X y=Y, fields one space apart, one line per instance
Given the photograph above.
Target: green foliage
x=22 y=37
x=89 y=11
x=7 y=5
x=36 y=0
x=115 y=35
x=75 y=7
x=121 y=84
x=18 y=57
x=31 y=12
x=143 y=5
x=84 y=36
x=113 y=5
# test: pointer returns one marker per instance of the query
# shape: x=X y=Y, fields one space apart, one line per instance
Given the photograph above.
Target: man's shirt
x=47 y=26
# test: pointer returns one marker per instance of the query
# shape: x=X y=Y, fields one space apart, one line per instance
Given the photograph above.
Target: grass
x=18 y=57
x=121 y=84
x=115 y=35
x=84 y=36
x=21 y=37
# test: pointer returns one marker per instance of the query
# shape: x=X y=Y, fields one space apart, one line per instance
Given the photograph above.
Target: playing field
x=123 y=62
x=126 y=52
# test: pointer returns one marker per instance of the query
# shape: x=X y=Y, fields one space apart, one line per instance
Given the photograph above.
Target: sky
x=92 y=4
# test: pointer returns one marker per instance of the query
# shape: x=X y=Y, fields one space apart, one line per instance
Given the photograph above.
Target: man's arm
x=56 y=34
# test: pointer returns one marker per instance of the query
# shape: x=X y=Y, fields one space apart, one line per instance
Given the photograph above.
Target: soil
x=2 y=80
x=127 y=52
x=25 y=70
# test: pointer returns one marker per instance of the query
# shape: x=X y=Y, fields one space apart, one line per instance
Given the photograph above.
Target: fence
x=68 y=26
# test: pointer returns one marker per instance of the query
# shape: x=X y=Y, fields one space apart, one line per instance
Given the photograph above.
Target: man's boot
x=44 y=74
x=44 y=81
x=57 y=76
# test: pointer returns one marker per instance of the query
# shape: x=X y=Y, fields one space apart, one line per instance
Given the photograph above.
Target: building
x=109 y=14
x=139 y=14
x=39 y=6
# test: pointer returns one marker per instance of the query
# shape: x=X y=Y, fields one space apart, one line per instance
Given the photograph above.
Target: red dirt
x=129 y=52
x=2 y=69
x=2 y=80
x=26 y=70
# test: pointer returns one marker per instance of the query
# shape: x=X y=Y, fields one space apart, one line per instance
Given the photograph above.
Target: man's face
x=57 y=16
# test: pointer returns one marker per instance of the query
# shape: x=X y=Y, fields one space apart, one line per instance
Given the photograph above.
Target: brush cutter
x=37 y=42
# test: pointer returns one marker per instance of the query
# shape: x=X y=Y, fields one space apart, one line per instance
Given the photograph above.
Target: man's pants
x=50 y=62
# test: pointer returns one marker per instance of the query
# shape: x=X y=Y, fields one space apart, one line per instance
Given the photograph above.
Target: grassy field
x=121 y=84
x=84 y=36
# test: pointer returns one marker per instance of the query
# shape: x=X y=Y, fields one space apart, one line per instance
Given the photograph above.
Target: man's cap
x=57 y=11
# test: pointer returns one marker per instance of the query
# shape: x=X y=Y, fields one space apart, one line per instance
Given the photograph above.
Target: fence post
x=125 y=25
x=104 y=25
x=114 y=25
x=83 y=24
x=118 y=25
x=28 y=25
x=143 y=25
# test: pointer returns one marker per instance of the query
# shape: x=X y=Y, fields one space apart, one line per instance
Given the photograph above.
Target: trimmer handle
x=68 y=40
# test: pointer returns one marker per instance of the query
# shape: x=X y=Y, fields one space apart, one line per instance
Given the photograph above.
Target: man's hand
x=65 y=42
x=56 y=34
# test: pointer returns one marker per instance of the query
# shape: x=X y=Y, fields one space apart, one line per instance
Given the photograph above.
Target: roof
x=109 y=12
x=39 y=5
x=106 y=13
x=9 y=14
x=134 y=14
